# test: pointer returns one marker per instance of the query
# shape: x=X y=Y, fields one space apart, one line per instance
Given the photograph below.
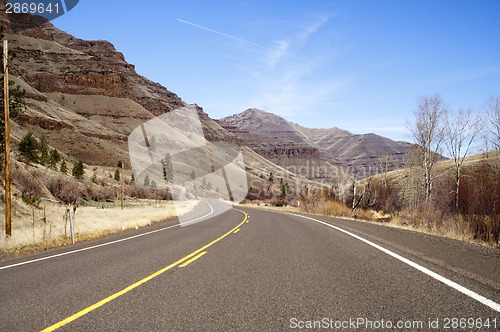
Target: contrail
x=250 y=43
x=226 y=35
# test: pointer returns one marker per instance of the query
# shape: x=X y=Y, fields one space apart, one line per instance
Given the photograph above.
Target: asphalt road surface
x=255 y=270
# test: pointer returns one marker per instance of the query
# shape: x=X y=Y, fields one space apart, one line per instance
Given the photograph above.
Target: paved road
x=251 y=269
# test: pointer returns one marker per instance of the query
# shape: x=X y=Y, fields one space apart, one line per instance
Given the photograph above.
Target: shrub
x=137 y=191
x=29 y=148
x=31 y=189
x=99 y=194
x=78 y=170
x=64 y=167
x=67 y=191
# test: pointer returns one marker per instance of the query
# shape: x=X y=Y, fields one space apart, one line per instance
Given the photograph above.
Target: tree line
x=455 y=194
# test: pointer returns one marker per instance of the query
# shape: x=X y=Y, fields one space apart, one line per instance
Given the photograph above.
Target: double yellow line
x=197 y=254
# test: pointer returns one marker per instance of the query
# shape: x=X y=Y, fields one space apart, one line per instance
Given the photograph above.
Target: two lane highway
x=251 y=269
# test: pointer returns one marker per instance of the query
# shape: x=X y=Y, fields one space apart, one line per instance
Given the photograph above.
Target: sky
x=356 y=65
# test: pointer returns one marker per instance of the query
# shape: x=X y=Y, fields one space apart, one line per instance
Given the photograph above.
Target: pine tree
x=146 y=181
x=94 y=178
x=44 y=150
x=168 y=171
x=78 y=170
x=29 y=148
x=152 y=144
x=54 y=158
x=271 y=177
x=283 y=188
x=117 y=175
x=64 y=167
x=193 y=175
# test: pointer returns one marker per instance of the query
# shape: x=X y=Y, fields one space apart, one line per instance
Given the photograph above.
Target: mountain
x=274 y=137
x=86 y=99
x=280 y=142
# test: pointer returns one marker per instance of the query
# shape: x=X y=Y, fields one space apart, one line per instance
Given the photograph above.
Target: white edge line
x=100 y=245
x=487 y=302
x=187 y=223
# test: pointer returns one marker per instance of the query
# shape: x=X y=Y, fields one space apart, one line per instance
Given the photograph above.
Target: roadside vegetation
x=47 y=183
x=444 y=189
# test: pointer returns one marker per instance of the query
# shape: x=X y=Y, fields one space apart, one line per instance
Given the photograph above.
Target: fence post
x=71 y=226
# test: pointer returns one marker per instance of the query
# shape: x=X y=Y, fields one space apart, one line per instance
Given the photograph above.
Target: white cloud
x=277 y=53
x=287 y=84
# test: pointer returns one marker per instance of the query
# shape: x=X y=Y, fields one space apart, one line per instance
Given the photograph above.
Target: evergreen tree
x=117 y=175
x=152 y=144
x=132 y=177
x=284 y=189
x=193 y=175
x=153 y=184
x=271 y=177
x=78 y=170
x=44 y=150
x=168 y=171
x=29 y=148
x=54 y=158
x=64 y=167
x=120 y=164
x=94 y=178
x=146 y=181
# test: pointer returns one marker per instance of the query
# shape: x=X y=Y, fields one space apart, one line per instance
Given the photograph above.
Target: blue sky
x=357 y=65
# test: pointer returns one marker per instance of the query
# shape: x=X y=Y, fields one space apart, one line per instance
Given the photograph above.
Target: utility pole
x=8 y=203
x=122 y=186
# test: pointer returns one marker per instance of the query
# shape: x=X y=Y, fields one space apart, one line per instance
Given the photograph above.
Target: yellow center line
x=140 y=282
x=236 y=231
x=186 y=263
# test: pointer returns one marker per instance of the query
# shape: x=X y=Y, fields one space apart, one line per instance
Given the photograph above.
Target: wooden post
x=122 y=186
x=71 y=226
x=33 y=224
x=8 y=199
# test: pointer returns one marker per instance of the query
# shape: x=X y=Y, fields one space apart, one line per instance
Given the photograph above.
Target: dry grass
x=31 y=231
x=430 y=221
x=286 y=208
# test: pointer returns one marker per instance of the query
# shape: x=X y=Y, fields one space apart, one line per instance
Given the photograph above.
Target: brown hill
x=278 y=141
x=338 y=147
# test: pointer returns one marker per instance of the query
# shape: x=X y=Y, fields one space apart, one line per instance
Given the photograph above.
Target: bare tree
x=413 y=188
x=460 y=131
x=384 y=163
x=493 y=109
x=428 y=134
